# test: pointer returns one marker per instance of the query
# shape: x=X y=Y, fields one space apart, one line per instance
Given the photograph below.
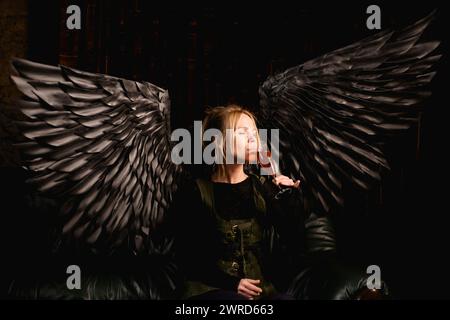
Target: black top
x=234 y=201
x=197 y=245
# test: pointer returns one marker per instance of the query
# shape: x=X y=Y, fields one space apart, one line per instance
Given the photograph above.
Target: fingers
x=248 y=288
x=286 y=181
x=248 y=291
x=283 y=180
x=277 y=180
x=253 y=281
x=248 y=296
x=254 y=288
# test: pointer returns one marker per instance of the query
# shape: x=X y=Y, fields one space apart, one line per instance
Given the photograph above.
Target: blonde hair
x=226 y=117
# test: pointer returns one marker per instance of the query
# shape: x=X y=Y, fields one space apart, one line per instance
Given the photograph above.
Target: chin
x=252 y=157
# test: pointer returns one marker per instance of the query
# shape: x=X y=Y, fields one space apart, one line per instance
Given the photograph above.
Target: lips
x=252 y=148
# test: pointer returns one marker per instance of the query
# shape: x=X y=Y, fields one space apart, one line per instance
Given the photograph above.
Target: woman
x=230 y=225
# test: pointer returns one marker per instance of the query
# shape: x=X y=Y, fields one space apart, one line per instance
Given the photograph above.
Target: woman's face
x=246 y=142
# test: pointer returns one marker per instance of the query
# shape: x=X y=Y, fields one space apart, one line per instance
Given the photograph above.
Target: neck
x=229 y=173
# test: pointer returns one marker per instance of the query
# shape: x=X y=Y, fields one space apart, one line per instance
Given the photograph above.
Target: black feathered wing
x=334 y=111
x=102 y=144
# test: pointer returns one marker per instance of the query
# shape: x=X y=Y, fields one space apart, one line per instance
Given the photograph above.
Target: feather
x=335 y=110
x=87 y=138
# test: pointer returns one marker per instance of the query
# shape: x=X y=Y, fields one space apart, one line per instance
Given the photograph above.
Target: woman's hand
x=286 y=182
x=249 y=288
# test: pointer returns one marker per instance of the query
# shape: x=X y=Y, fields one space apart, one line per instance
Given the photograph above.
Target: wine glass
x=268 y=166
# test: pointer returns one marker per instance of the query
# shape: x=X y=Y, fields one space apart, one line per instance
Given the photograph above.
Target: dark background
x=216 y=54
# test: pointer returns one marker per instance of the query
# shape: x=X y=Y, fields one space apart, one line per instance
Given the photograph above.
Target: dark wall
x=204 y=55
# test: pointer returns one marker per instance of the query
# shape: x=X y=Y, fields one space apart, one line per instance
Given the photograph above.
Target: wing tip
x=12 y=67
x=427 y=19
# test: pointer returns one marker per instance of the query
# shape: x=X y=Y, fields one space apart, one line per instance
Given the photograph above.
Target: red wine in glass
x=270 y=167
x=266 y=163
